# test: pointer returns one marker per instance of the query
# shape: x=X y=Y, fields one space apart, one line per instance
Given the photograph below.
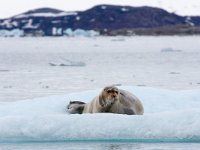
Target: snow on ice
x=169 y=116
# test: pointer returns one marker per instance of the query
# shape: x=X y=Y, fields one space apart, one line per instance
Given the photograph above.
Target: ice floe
x=169 y=116
x=68 y=63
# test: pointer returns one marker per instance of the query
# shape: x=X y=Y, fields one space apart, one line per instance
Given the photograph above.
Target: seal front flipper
x=129 y=111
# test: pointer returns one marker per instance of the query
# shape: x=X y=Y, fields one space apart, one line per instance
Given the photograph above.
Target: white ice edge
x=169 y=116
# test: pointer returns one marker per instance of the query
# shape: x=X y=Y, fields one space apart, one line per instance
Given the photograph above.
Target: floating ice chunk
x=169 y=116
x=68 y=63
x=4 y=70
x=169 y=49
x=119 y=39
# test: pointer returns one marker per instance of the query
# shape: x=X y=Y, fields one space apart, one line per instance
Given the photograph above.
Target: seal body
x=127 y=104
x=114 y=100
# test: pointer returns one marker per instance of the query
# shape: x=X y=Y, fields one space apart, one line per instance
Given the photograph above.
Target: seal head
x=108 y=97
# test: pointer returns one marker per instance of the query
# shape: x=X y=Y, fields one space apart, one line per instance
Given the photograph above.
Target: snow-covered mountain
x=105 y=19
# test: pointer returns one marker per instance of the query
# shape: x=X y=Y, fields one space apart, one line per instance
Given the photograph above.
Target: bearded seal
x=114 y=100
x=75 y=107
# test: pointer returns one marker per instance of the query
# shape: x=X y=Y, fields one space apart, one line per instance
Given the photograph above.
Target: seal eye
x=108 y=91
x=116 y=92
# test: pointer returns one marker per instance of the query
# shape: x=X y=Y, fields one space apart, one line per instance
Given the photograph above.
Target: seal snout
x=113 y=96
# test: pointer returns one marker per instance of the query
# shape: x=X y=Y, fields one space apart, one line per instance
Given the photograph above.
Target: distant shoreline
x=106 y=20
x=179 y=30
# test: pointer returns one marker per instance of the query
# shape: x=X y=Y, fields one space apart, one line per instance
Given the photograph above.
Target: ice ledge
x=170 y=116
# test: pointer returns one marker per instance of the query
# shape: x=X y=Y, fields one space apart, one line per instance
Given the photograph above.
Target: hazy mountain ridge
x=106 y=19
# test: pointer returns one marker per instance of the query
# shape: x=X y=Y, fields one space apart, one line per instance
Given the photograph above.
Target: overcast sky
x=9 y=8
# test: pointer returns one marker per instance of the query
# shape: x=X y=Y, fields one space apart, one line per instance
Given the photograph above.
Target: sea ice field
x=38 y=67
x=39 y=76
